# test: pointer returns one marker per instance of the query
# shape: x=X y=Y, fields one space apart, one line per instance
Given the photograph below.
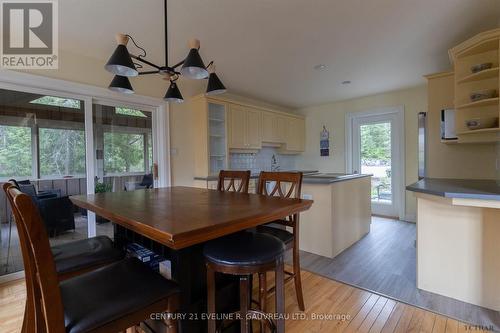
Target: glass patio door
x=42 y=147
x=61 y=144
x=124 y=151
x=376 y=151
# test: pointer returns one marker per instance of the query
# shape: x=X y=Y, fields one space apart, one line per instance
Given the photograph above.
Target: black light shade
x=215 y=85
x=121 y=84
x=193 y=66
x=120 y=63
x=173 y=94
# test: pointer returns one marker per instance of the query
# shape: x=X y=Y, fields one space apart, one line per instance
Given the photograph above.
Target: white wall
x=414 y=100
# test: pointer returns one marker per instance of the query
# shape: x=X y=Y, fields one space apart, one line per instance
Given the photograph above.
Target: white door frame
x=398 y=139
x=30 y=83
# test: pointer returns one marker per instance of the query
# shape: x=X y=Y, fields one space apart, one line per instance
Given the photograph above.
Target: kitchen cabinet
x=245 y=127
x=295 y=134
x=274 y=127
x=221 y=125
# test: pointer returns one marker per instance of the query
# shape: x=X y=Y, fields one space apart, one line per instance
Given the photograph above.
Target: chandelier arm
x=149 y=72
x=178 y=64
x=140 y=48
x=138 y=58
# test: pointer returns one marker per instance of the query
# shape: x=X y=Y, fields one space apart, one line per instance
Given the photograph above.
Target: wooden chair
x=285 y=185
x=77 y=257
x=232 y=177
x=110 y=299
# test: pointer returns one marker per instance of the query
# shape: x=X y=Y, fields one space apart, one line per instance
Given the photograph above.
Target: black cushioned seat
x=106 y=294
x=284 y=235
x=244 y=248
x=85 y=253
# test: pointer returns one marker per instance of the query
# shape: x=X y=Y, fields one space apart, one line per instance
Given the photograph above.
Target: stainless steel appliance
x=448 y=124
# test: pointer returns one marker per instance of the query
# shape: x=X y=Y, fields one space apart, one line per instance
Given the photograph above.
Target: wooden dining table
x=176 y=221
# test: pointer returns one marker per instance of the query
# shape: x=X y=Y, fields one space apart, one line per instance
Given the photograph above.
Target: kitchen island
x=341 y=214
x=458 y=239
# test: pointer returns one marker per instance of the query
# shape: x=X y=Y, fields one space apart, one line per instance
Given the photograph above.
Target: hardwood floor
x=330 y=307
x=384 y=261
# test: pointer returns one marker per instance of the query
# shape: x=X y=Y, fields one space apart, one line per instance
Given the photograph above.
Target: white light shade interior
x=121 y=70
x=174 y=100
x=196 y=73
x=121 y=90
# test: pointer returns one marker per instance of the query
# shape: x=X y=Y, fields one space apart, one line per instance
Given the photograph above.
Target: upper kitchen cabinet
x=223 y=126
x=274 y=127
x=295 y=135
x=244 y=127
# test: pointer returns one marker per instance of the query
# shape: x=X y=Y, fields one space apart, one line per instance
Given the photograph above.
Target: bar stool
x=244 y=254
x=77 y=257
x=228 y=181
x=285 y=185
x=71 y=259
x=110 y=299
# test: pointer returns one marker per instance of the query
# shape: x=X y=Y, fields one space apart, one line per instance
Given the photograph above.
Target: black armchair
x=56 y=210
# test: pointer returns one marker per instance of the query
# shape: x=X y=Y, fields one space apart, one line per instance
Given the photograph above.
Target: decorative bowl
x=481 y=67
x=481 y=123
x=482 y=94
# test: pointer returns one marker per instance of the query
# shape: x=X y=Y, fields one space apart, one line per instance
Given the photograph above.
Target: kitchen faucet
x=274 y=164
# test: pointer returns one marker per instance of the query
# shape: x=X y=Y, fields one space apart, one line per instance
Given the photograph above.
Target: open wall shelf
x=480 y=49
x=482 y=75
x=483 y=102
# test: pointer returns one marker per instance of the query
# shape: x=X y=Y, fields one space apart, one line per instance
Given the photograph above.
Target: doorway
x=375 y=141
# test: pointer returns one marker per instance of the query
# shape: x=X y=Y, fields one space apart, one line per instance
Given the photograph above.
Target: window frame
x=91 y=94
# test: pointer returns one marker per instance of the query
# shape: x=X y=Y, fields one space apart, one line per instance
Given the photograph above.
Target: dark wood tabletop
x=182 y=216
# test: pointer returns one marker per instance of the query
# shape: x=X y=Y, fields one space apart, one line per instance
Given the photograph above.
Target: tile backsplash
x=261 y=161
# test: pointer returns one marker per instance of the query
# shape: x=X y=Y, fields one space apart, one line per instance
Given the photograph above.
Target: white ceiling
x=268 y=48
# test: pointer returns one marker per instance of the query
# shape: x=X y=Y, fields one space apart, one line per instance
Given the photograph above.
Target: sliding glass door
x=56 y=145
x=42 y=147
x=124 y=158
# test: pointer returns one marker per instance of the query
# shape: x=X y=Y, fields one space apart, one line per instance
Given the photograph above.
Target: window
x=125 y=152
x=57 y=101
x=62 y=152
x=130 y=112
x=15 y=151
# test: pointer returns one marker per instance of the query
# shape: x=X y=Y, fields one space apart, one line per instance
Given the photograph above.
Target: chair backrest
x=39 y=263
x=31 y=292
x=284 y=184
x=232 y=177
x=28 y=189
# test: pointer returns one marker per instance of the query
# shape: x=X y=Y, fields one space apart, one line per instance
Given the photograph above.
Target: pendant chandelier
x=122 y=66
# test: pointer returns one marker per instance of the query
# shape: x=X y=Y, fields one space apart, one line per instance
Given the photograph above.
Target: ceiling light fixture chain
x=120 y=63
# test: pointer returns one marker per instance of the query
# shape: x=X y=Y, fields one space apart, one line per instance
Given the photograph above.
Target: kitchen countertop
x=324 y=178
x=458 y=188
x=310 y=177
x=256 y=175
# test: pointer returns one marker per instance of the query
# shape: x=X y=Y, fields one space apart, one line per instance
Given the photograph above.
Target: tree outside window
x=15 y=151
x=124 y=152
x=62 y=152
